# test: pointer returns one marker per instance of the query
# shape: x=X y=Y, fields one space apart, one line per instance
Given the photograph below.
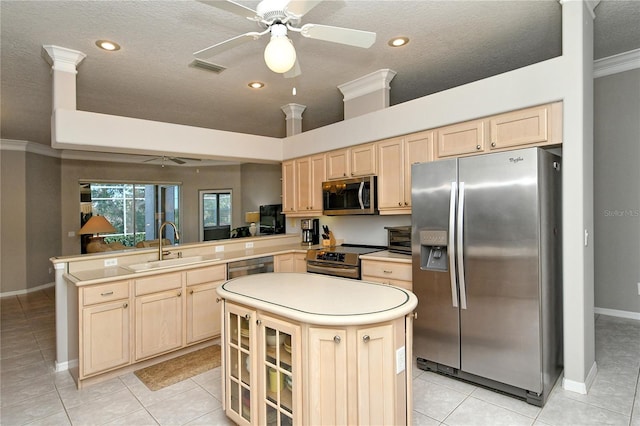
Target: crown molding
x=369 y=83
x=617 y=63
x=26 y=146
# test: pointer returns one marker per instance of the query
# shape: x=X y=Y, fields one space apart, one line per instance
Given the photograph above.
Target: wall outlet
x=638 y=289
x=71 y=234
x=110 y=262
x=248 y=245
x=50 y=270
x=219 y=248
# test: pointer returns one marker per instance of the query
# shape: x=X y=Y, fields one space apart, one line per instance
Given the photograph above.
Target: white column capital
x=293 y=111
x=61 y=58
x=591 y=5
x=369 y=83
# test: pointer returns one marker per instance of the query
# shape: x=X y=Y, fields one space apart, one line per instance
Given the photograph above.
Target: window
x=215 y=214
x=135 y=210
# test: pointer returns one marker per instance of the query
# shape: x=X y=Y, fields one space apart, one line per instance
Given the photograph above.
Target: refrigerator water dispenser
x=433 y=250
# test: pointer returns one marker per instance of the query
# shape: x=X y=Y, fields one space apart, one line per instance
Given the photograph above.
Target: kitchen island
x=313 y=349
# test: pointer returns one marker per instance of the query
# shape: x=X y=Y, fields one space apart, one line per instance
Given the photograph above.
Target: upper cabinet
x=536 y=126
x=395 y=157
x=359 y=160
x=539 y=125
x=288 y=187
x=302 y=186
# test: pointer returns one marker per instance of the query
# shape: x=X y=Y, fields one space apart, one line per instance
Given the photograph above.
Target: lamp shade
x=97 y=225
x=251 y=217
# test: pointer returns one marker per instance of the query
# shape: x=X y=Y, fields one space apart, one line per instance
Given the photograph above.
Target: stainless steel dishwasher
x=257 y=265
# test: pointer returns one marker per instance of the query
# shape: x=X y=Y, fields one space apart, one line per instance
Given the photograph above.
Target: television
x=272 y=221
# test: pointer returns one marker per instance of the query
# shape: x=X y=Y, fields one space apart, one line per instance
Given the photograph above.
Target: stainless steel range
x=341 y=261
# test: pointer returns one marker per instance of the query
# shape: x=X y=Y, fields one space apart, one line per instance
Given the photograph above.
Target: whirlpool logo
x=515 y=160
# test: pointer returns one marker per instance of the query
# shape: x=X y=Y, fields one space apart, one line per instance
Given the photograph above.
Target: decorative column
x=367 y=94
x=293 y=113
x=63 y=63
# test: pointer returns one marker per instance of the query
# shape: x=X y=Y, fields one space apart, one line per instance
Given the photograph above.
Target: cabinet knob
x=180 y=293
x=493 y=144
x=399 y=204
x=478 y=147
x=406 y=204
x=337 y=339
x=218 y=300
x=125 y=306
x=190 y=291
x=366 y=338
x=259 y=322
x=247 y=317
x=415 y=315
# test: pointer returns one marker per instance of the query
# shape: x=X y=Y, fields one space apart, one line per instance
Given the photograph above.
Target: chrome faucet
x=175 y=230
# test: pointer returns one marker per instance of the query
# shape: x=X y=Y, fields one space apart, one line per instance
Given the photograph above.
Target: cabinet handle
x=106 y=293
x=415 y=315
x=493 y=144
x=180 y=293
x=366 y=338
x=337 y=339
x=478 y=147
x=125 y=306
x=387 y=272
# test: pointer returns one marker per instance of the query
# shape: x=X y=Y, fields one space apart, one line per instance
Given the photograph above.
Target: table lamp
x=96 y=225
x=252 y=217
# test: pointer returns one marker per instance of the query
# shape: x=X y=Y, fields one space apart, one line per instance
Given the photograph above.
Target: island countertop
x=320 y=299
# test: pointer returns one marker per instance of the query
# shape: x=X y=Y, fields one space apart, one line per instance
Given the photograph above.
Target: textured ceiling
x=452 y=43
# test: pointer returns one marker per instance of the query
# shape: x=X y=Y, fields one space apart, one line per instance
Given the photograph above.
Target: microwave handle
x=360 y=195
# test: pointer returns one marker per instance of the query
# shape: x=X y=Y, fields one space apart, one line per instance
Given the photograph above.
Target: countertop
x=319 y=299
x=120 y=272
x=387 y=256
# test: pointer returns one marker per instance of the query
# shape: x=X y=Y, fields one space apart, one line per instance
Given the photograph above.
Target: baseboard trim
x=67 y=365
x=617 y=313
x=28 y=290
x=579 y=387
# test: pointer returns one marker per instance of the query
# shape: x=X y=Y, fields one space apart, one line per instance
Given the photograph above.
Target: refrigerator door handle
x=452 y=244
x=360 y=195
x=460 y=247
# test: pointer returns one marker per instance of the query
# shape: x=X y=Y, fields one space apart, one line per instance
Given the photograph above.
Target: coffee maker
x=310 y=231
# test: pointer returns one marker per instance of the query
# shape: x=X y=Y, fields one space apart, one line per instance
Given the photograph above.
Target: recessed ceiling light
x=398 y=41
x=256 y=85
x=108 y=45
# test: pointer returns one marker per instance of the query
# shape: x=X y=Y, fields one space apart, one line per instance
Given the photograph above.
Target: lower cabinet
x=290 y=262
x=203 y=304
x=158 y=323
x=106 y=331
x=387 y=272
x=280 y=372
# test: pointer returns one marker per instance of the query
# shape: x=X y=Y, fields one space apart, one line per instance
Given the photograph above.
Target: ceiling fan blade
x=294 y=71
x=177 y=160
x=233 y=7
x=226 y=45
x=299 y=8
x=347 y=36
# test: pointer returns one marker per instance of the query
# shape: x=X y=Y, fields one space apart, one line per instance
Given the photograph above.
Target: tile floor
x=31 y=393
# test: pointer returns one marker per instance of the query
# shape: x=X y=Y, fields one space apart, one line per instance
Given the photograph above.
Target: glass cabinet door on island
x=281 y=396
x=240 y=337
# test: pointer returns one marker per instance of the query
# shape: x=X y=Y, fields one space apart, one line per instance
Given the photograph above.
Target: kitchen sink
x=168 y=263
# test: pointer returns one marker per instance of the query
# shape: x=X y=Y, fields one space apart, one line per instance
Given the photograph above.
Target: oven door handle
x=336 y=270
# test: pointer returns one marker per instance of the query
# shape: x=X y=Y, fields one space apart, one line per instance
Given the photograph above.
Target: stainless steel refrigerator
x=487 y=269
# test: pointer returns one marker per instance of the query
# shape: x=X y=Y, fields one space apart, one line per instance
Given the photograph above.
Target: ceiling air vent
x=207 y=66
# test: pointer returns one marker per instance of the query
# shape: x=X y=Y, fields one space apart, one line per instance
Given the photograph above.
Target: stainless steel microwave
x=350 y=196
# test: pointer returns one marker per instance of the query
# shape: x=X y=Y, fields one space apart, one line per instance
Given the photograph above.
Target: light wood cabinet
x=290 y=262
x=461 y=139
x=203 y=305
x=158 y=315
x=387 y=272
x=358 y=160
x=395 y=157
x=339 y=164
x=262 y=375
x=288 y=187
x=539 y=125
x=310 y=173
x=105 y=323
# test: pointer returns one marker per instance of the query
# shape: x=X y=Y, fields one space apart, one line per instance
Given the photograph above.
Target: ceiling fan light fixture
x=398 y=41
x=279 y=55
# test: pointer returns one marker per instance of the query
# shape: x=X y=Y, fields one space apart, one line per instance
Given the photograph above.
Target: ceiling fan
x=277 y=17
x=177 y=160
